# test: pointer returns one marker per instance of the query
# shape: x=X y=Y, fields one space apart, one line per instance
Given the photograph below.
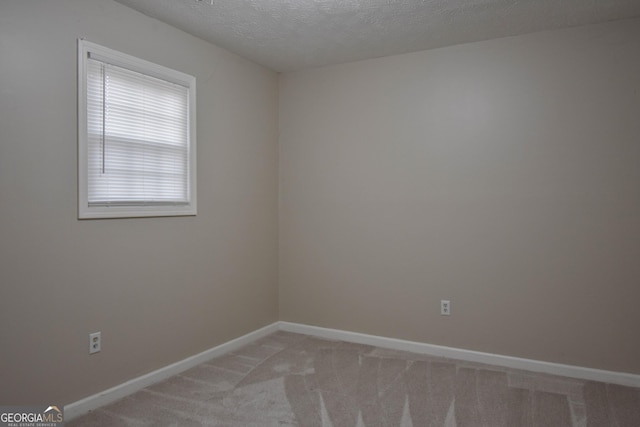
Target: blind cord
x=104 y=115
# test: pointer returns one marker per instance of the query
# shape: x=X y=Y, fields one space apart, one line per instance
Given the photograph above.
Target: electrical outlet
x=445 y=307
x=95 y=342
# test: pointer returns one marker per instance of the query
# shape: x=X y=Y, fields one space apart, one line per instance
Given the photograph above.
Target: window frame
x=136 y=209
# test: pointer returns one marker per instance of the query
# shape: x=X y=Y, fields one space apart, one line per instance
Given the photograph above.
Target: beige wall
x=159 y=289
x=503 y=175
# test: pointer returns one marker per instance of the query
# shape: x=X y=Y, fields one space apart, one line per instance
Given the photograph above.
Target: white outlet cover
x=95 y=342
x=445 y=307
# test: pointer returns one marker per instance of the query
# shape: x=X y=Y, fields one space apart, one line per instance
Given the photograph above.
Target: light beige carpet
x=289 y=379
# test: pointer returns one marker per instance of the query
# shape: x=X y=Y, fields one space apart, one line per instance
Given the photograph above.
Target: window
x=136 y=137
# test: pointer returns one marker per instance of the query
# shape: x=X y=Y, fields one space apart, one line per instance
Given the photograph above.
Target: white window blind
x=138 y=145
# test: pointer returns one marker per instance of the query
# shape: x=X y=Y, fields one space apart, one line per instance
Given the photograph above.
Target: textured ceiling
x=287 y=35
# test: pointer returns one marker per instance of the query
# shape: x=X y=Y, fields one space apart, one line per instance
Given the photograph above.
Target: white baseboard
x=578 y=372
x=81 y=407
